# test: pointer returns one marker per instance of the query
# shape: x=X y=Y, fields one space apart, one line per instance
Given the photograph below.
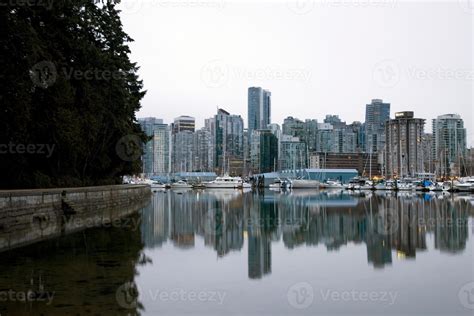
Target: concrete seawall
x=28 y=216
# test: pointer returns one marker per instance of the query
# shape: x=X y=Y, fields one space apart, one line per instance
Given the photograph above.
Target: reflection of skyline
x=384 y=223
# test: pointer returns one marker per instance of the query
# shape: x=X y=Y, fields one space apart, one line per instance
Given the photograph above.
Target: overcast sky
x=317 y=57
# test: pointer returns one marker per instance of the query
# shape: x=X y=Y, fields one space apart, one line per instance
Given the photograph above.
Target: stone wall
x=28 y=216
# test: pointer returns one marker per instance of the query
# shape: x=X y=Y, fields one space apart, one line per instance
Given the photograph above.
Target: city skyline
x=336 y=58
x=427 y=127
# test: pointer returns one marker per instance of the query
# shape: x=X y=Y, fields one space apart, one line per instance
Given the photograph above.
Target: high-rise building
x=377 y=114
x=183 y=155
x=156 y=156
x=404 y=152
x=202 y=150
x=227 y=138
x=294 y=127
x=184 y=123
x=293 y=153
x=259 y=108
x=263 y=151
x=449 y=144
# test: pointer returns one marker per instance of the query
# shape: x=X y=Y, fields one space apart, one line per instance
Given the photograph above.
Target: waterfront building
x=377 y=114
x=403 y=152
x=259 y=108
x=449 y=144
x=264 y=151
x=156 y=152
x=366 y=164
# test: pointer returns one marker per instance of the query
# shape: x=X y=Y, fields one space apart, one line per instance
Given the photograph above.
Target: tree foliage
x=66 y=81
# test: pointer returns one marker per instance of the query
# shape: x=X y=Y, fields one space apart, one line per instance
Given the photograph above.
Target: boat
x=157 y=185
x=277 y=184
x=404 y=185
x=385 y=185
x=465 y=185
x=227 y=182
x=181 y=184
x=199 y=185
x=304 y=184
x=367 y=185
x=246 y=185
x=333 y=184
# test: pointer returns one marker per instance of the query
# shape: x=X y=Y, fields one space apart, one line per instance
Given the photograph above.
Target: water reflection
x=388 y=224
x=113 y=270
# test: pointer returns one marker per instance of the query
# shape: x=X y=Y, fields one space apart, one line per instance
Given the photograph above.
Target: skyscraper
x=404 y=152
x=259 y=108
x=156 y=160
x=377 y=114
x=264 y=151
x=449 y=144
x=184 y=123
x=227 y=137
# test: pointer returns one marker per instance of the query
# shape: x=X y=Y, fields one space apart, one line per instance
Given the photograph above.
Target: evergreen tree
x=67 y=84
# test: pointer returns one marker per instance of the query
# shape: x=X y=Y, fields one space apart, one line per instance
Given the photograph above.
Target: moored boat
x=227 y=182
x=181 y=184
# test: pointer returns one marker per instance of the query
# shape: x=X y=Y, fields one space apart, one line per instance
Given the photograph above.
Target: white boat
x=227 y=182
x=278 y=184
x=246 y=185
x=181 y=185
x=464 y=185
x=368 y=185
x=386 y=186
x=304 y=184
x=405 y=186
x=331 y=184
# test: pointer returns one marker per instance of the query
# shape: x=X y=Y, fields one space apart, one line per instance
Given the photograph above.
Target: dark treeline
x=68 y=95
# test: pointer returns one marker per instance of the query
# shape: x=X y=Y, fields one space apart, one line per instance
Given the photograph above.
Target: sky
x=317 y=57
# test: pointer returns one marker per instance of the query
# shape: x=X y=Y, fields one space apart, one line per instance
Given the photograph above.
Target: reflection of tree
x=84 y=270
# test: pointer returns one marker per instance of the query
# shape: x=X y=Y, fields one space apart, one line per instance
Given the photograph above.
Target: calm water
x=217 y=252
